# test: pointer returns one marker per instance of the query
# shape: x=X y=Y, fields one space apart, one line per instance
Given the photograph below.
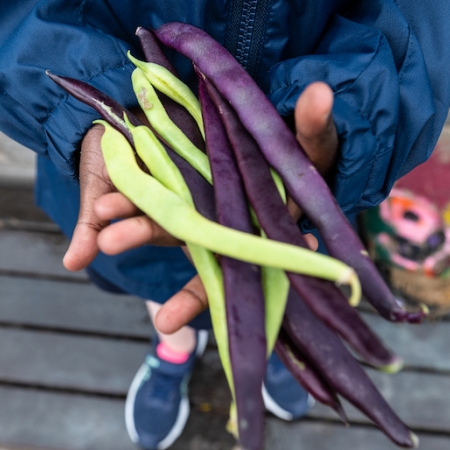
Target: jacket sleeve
x=40 y=35
x=388 y=63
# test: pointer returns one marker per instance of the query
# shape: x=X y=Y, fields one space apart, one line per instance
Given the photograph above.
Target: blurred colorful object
x=407 y=231
x=432 y=178
x=408 y=234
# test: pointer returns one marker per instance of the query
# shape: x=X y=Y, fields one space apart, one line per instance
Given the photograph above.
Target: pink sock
x=168 y=354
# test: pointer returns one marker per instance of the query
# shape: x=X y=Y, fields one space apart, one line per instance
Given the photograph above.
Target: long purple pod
x=152 y=50
x=244 y=298
x=323 y=297
x=284 y=154
x=307 y=377
x=178 y=114
x=113 y=113
x=110 y=110
x=340 y=370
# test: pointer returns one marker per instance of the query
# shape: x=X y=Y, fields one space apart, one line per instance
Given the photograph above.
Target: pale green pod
x=181 y=220
x=167 y=83
x=164 y=126
x=211 y=275
x=276 y=288
x=279 y=184
x=158 y=162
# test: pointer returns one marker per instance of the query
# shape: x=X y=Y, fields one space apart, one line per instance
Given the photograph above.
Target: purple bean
x=244 y=298
x=152 y=50
x=306 y=375
x=340 y=370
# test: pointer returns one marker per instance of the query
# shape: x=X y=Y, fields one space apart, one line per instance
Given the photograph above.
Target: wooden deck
x=68 y=353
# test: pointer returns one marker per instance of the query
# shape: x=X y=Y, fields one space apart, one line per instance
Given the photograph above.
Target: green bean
x=167 y=83
x=276 y=289
x=164 y=126
x=154 y=156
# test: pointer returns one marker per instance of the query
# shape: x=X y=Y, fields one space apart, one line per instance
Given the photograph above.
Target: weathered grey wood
x=208 y=388
x=21 y=447
x=62 y=421
x=322 y=436
x=69 y=362
x=71 y=306
x=423 y=346
x=19 y=204
x=205 y=431
x=36 y=253
x=92 y=364
x=70 y=422
x=420 y=399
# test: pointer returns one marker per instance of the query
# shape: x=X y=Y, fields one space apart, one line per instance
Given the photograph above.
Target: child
x=386 y=62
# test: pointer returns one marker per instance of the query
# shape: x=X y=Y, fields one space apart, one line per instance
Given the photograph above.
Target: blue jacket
x=388 y=62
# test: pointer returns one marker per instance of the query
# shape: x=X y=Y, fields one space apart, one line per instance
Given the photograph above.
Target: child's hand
x=93 y=185
x=99 y=204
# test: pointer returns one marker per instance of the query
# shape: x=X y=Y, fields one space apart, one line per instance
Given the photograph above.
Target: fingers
x=135 y=230
x=132 y=233
x=83 y=246
x=182 y=307
x=114 y=206
x=315 y=127
x=312 y=242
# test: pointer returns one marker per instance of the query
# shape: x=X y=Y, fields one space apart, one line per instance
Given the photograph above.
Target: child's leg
x=183 y=341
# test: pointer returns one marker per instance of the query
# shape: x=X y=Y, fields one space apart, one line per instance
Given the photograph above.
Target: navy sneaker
x=157 y=405
x=282 y=394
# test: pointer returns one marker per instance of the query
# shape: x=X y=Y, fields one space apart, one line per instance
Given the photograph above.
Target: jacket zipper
x=246 y=30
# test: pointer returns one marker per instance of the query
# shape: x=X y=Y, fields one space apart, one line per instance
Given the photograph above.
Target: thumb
x=316 y=131
x=83 y=247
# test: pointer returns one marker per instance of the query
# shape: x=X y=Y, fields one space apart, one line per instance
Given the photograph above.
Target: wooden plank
x=19 y=204
x=72 y=307
x=58 y=421
x=95 y=365
x=324 y=436
x=208 y=387
x=421 y=400
x=35 y=253
x=69 y=422
x=69 y=362
x=421 y=346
